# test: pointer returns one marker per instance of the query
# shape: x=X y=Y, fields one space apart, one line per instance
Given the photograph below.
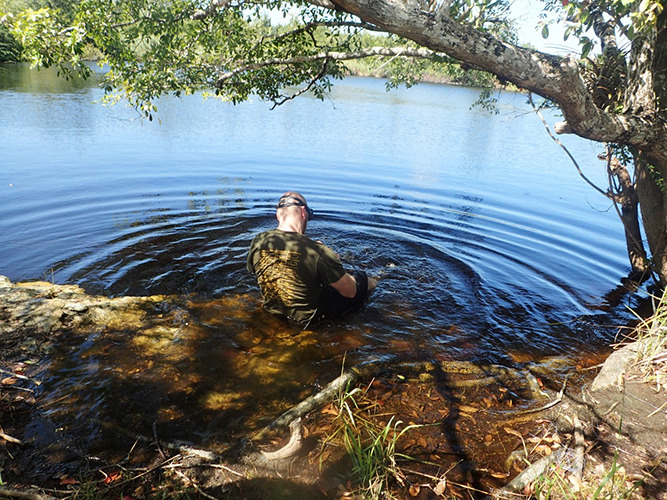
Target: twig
x=579 y=445
x=567 y=152
x=196 y=486
x=157 y=441
x=211 y=466
x=332 y=55
x=23 y=494
x=22 y=377
x=148 y=471
x=9 y=438
x=434 y=478
x=660 y=408
x=550 y=404
x=309 y=404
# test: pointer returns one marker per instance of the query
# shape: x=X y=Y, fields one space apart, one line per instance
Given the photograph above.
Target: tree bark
x=628 y=201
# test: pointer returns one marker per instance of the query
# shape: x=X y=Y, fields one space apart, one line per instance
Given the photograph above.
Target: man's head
x=293 y=211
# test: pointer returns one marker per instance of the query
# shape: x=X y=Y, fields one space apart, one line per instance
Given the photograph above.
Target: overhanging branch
x=329 y=56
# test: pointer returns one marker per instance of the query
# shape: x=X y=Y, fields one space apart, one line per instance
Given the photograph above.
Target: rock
x=75 y=307
x=616 y=365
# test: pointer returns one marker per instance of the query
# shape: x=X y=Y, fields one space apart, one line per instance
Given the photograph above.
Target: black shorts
x=336 y=306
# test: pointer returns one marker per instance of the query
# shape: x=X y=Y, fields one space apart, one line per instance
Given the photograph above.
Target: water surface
x=487 y=243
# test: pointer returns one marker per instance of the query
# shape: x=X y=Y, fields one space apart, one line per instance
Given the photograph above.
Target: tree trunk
x=653 y=202
x=649 y=66
x=628 y=200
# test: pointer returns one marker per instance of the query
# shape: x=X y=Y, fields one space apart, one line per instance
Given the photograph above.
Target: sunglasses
x=291 y=201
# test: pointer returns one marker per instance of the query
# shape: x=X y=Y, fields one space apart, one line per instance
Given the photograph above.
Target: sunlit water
x=487 y=243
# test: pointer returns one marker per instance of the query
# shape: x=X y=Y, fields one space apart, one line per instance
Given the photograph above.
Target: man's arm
x=346 y=286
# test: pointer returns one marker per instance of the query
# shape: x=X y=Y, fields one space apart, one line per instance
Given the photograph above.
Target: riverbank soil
x=469 y=431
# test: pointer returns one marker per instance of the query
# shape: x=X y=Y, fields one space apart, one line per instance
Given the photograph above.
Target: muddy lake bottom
x=469 y=429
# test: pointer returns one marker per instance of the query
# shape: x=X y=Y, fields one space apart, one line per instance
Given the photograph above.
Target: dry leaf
x=329 y=410
x=9 y=381
x=110 y=478
x=440 y=487
x=414 y=490
x=68 y=480
x=468 y=409
x=513 y=432
x=543 y=448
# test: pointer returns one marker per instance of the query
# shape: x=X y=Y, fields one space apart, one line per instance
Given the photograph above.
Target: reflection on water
x=487 y=244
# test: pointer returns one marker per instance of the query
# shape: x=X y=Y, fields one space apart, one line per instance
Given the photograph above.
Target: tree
x=153 y=47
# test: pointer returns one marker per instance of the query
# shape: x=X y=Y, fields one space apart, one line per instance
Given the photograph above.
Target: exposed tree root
x=28 y=495
x=293 y=445
x=528 y=475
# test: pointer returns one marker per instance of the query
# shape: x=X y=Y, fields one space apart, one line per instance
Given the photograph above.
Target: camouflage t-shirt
x=292 y=271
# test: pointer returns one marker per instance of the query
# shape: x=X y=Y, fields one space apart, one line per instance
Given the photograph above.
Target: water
x=487 y=242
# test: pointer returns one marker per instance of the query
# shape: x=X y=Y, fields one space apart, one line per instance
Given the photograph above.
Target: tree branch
x=335 y=56
x=313 y=81
x=574 y=161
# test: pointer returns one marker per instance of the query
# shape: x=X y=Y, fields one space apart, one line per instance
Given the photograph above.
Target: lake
x=487 y=243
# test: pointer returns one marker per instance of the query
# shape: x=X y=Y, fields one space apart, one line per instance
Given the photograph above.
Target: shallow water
x=488 y=245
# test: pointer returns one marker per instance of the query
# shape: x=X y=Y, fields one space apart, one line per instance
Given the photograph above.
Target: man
x=301 y=278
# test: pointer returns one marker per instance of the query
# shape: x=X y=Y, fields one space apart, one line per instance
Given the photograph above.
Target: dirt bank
x=471 y=441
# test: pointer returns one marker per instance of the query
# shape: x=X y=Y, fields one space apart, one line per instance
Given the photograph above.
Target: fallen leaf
x=440 y=487
x=110 y=478
x=68 y=480
x=414 y=490
x=329 y=410
x=543 y=448
x=513 y=432
x=9 y=381
x=468 y=409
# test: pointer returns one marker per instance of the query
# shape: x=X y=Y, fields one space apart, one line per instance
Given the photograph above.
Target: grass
x=651 y=335
x=613 y=484
x=370 y=444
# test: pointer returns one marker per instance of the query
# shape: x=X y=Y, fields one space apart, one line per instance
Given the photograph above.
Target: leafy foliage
x=10 y=50
x=150 y=48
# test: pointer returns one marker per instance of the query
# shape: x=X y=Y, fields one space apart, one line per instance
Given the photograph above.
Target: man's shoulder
x=276 y=238
x=277 y=234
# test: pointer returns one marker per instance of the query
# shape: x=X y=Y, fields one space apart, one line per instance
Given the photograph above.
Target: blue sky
x=526 y=13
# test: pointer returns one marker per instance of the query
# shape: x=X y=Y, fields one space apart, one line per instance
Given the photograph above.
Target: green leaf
x=545 y=31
